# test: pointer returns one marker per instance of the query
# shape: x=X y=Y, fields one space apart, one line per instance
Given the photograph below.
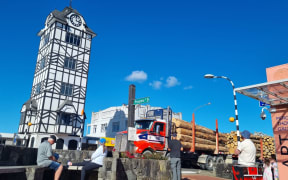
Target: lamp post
x=193 y=125
x=211 y=76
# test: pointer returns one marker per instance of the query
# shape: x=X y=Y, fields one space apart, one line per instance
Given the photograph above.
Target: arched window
x=59 y=143
x=44 y=139
x=72 y=145
x=32 y=142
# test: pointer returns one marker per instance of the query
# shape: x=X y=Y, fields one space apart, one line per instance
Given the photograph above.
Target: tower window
x=65 y=119
x=46 y=39
x=69 y=63
x=42 y=63
x=72 y=39
x=59 y=25
x=38 y=88
x=89 y=36
x=66 y=89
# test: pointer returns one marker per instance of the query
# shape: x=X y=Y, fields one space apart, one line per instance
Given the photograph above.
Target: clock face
x=75 y=20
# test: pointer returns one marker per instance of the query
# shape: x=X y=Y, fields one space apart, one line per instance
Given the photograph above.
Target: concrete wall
x=135 y=169
x=21 y=156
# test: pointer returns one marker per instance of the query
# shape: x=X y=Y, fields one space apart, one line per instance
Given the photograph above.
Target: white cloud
x=172 y=81
x=137 y=76
x=188 y=87
x=156 y=84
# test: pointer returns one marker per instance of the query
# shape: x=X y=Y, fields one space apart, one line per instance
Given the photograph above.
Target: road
x=198 y=174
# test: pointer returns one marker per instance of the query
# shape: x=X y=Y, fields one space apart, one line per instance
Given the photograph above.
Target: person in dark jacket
x=175 y=148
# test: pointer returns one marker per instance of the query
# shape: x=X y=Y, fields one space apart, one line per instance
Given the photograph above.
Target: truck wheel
x=220 y=160
x=202 y=166
x=147 y=153
x=209 y=163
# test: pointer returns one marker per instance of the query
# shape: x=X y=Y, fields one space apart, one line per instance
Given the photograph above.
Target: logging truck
x=153 y=133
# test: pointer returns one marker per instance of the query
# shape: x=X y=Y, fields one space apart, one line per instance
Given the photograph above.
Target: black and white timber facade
x=58 y=94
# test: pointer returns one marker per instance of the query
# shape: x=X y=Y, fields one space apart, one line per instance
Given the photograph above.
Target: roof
x=31 y=104
x=272 y=93
x=61 y=16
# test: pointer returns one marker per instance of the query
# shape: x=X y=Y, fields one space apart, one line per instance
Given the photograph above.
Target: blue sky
x=169 y=45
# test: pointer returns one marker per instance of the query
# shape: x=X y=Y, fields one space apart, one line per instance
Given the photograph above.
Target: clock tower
x=57 y=101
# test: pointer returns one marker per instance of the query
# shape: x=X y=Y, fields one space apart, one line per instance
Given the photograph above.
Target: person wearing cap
x=246 y=150
x=175 y=148
x=46 y=158
x=96 y=159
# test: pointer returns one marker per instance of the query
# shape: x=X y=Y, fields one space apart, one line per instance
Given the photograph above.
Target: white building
x=58 y=94
x=108 y=122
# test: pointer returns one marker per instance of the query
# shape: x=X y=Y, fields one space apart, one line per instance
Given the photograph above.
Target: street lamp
x=211 y=76
x=193 y=125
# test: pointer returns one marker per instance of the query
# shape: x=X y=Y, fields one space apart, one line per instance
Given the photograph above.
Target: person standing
x=246 y=150
x=274 y=167
x=267 y=174
x=175 y=148
x=96 y=159
x=45 y=157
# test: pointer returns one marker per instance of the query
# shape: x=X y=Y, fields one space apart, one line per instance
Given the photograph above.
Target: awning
x=272 y=93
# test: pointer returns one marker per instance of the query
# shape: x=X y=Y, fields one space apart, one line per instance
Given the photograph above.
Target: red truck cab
x=150 y=135
x=151 y=132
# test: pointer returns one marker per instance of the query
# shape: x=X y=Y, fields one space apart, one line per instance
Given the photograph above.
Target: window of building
x=72 y=145
x=59 y=143
x=59 y=25
x=32 y=142
x=89 y=36
x=66 y=89
x=94 y=129
x=46 y=38
x=38 y=88
x=103 y=127
x=69 y=63
x=115 y=126
x=72 y=39
x=65 y=119
x=42 y=63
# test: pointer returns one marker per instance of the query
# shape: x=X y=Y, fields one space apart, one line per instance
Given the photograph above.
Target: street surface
x=198 y=174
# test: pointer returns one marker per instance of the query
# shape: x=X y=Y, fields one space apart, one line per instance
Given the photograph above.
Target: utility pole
x=131 y=114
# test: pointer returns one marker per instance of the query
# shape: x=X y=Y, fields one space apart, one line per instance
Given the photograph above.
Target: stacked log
x=205 y=138
x=268 y=144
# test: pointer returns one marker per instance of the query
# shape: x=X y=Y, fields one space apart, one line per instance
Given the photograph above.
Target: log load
x=268 y=144
x=205 y=138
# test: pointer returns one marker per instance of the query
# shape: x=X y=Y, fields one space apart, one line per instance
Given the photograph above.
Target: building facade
x=57 y=101
x=108 y=122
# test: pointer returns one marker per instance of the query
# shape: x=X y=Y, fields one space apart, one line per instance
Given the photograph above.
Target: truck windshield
x=144 y=124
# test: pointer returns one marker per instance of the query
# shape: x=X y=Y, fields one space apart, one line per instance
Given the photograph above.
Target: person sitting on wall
x=246 y=150
x=46 y=158
x=96 y=159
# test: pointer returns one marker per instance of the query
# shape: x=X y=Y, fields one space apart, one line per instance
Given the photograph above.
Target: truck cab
x=151 y=131
x=150 y=135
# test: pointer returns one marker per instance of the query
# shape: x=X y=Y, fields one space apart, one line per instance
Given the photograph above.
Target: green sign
x=142 y=100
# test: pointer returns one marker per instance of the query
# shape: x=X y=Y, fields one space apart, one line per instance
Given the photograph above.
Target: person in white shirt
x=96 y=159
x=246 y=150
